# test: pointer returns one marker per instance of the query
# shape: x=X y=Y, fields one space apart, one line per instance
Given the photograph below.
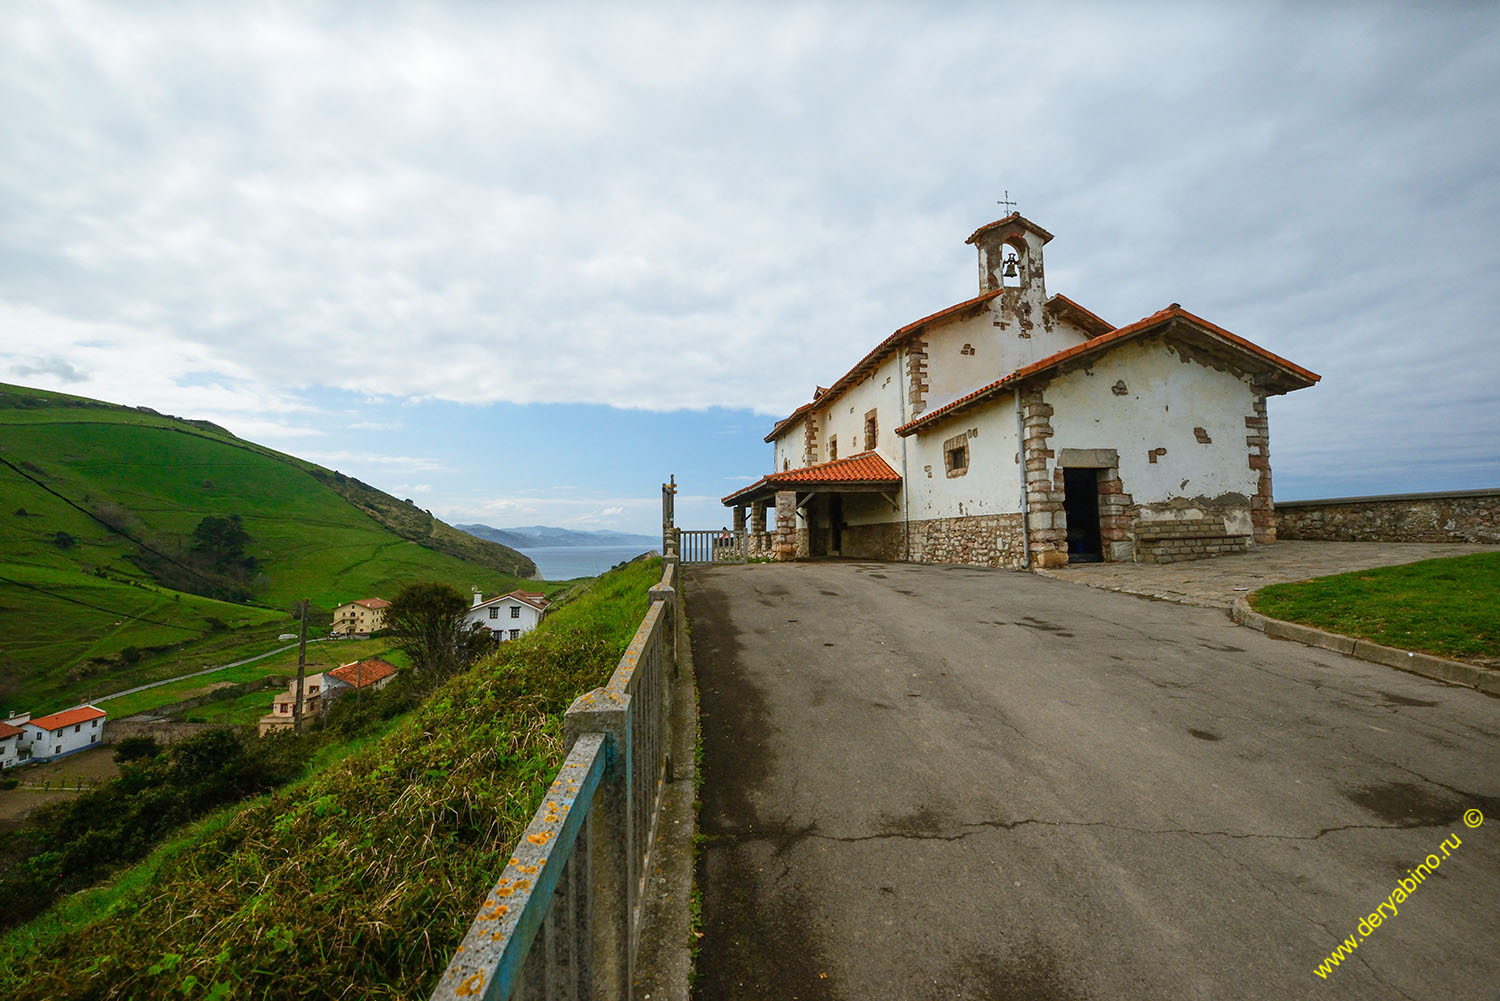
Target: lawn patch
x=1449 y=607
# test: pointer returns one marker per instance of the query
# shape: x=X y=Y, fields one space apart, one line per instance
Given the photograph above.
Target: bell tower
x=1010 y=262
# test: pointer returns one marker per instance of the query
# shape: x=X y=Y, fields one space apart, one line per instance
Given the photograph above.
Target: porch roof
x=865 y=471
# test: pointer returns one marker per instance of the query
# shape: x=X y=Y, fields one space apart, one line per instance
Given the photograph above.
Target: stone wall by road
x=1454 y=516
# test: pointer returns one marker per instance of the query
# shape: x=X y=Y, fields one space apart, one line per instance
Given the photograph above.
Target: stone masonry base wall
x=1467 y=516
x=1188 y=539
x=989 y=540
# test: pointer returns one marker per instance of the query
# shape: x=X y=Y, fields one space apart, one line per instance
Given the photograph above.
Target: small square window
x=494 y=613
x=515 y=634
x=956 y=455
x=77 y=727
x=515 y=611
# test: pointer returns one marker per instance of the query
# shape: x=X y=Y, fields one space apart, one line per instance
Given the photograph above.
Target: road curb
x=1454 y=672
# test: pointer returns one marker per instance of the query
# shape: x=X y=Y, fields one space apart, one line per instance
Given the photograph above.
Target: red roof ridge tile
x=865 y=468
x=1103 y=325
x=78 y=714
x=1174 y=311
x=879 y=352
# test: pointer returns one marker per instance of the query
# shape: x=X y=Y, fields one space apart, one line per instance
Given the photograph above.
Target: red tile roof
x=1016 y=218
x=864 y=469
x=869 y=361
x=6 y=730
x=373 y=602
x=1295 y=372
x=776 y=430
x=533 y=598
x=363 y=673
x=68 y=717
x=1093 y=324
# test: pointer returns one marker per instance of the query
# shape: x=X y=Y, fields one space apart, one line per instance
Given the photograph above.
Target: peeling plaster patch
x=1119 y=388
x=1155 y=453
x=1202 y=436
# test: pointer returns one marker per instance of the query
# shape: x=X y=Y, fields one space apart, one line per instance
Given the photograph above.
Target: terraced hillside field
x=103 y=581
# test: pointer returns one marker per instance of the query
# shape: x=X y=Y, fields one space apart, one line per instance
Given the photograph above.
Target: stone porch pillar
x=1047 y=521
x=757 y=526
x=1262 y=508
x=786 y=524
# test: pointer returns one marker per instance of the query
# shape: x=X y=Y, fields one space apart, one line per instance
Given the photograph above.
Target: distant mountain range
x=547 y=537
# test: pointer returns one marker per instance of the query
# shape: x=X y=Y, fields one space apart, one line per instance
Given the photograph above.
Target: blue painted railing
x=562 y=921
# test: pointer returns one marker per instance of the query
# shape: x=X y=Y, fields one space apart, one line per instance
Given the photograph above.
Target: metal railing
x=563 y=919
x=713 y=547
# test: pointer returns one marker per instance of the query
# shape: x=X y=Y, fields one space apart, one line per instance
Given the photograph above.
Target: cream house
x=320 y=691
x=361 y=617
x=1018 y=429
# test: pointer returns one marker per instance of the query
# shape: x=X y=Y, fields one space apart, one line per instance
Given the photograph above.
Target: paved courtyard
x=1217 y=582
x=949 y=782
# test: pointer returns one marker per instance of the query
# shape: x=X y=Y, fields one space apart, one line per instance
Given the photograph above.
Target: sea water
x=567 y=562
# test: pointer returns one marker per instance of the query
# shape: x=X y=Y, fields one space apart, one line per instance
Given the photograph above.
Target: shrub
x=136 y=748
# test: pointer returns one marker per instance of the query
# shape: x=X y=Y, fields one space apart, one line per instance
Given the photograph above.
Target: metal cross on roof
x=1007 y=203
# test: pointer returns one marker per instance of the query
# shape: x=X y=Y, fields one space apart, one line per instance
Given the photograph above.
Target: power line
x=100 y=608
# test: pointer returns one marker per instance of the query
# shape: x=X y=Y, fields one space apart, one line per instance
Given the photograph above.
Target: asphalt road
x=946 y=782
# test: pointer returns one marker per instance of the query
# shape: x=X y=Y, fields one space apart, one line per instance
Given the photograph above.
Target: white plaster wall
x=73 y=737
x=997 y=351
x=786 y=449
x=993 y=483
x=503 y=623
x=1166 y=399
x=845 y=415
x=8 y=752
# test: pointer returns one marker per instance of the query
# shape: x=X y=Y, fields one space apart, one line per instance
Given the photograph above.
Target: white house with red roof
x=60 y=734
x=320 y=691
x=509 y=616
x=10 y=743
x=1019 y=429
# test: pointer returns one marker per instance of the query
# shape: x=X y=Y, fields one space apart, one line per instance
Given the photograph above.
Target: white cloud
x=696 y=206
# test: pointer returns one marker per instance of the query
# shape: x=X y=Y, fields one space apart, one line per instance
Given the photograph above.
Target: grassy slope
x=1449 y=607
x=361 y=881
x=320 y=657
x=168 y=474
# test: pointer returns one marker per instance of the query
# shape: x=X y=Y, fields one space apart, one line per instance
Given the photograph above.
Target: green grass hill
x=360 y=879
x=136 y=545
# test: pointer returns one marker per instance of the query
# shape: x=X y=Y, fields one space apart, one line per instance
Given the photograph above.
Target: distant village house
x=47 y=737
x=510 y=616
x=10 y=745
x=320 y=691
x=361 y=617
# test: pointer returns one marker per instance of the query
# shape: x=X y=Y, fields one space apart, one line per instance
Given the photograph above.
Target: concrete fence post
x=611 y=849
x=667 y=595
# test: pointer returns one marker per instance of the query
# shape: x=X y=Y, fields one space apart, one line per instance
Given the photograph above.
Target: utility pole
x=301 y=669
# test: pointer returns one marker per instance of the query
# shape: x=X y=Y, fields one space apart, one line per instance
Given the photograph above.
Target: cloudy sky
x=522 y=262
